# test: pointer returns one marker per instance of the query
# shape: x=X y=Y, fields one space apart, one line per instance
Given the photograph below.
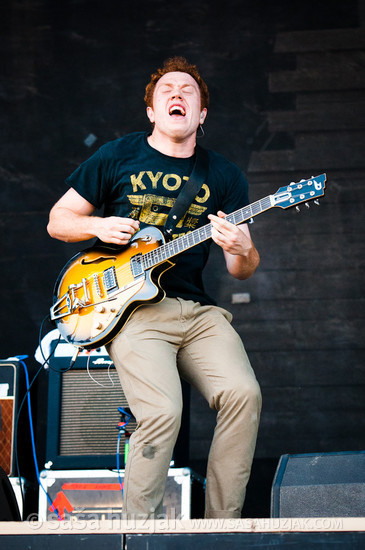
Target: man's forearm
x=243 y=266
x=68 y=226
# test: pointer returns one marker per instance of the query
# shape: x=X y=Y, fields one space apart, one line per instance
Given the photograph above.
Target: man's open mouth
x=177 y=110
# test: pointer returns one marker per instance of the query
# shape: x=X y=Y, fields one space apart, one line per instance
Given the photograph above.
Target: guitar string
x=159 y=250
x=162 y=251
x=244 y=214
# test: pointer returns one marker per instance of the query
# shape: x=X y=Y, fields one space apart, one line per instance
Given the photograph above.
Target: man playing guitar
x=136 y=180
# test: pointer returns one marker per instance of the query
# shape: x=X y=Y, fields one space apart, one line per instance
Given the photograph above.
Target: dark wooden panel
x=323 y=40
x=28 y=273
x=23 y=192
x=295 y=421
x=275 y=311
x=310 y=399
x=342 y=61
x=342 y=75
x=319 y=152
x=332 y=117
x=24 y=228
x=286 y=442
x=301 y=285
x=302 y=335
x=259 y=310
x=311 y=367
x=305 y=250
x=307 y=415
x=325 y=98
x=292 y=441
x=336 y=147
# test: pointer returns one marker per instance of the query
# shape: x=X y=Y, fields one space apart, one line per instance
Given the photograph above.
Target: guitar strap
x=189 y=191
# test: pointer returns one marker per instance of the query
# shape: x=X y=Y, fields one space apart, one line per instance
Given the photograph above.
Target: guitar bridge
x=70 y=302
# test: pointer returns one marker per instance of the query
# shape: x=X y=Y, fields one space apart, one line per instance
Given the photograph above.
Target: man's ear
x=150 y=114
x=203 y=115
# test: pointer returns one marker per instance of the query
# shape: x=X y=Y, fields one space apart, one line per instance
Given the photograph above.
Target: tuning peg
x=307 y=205
x=316 y=202
x=297 y=208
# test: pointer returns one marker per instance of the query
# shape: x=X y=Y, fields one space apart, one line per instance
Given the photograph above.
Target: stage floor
x=202 y=534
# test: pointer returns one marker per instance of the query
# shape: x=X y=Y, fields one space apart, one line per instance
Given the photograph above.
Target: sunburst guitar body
x=99 y=289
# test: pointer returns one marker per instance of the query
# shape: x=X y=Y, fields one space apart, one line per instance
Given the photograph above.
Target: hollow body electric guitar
x=100 y=287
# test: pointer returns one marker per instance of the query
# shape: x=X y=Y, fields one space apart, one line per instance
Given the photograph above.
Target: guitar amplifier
x=10 y=378
x=82 y=413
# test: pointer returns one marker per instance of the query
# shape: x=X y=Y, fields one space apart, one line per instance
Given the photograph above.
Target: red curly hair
x=177 y=64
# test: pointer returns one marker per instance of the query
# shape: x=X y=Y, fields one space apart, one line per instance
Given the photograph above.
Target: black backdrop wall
x=287 y=102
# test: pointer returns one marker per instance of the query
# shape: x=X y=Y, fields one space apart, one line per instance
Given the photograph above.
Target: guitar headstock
x=303 y=191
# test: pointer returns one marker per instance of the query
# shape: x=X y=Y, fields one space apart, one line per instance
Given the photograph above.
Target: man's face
x=176 y=110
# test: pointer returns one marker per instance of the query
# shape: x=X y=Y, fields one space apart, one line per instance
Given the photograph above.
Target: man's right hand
x=71 y=220
x=115 y=230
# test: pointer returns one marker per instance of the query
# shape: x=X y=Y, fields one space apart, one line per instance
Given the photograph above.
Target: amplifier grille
x=6 y=433
x=89 y=412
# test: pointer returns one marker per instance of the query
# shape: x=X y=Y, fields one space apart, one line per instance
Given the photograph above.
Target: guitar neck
x=172 y=248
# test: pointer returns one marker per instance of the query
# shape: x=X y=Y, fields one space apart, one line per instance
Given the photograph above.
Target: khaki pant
x=159 y=344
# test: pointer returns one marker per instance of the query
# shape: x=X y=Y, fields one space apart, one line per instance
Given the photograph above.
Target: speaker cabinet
x=82 y=413
x=319 y=485
x=10 y=374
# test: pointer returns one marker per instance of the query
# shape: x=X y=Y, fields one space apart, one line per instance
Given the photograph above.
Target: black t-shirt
x=129 y=178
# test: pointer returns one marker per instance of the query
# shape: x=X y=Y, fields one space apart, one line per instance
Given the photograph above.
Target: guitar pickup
x=136 y=265
x=110 y=280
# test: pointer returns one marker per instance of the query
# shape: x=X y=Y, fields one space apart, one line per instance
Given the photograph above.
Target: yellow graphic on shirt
x=205 y=191
x=171 y=182
x=153 y=210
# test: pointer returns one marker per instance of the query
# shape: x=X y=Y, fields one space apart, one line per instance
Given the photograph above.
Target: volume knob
x=99 y=308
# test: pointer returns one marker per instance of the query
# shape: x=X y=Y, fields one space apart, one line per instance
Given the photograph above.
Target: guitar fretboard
x=172 y=248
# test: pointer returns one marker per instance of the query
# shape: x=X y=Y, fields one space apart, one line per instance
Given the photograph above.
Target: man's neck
x=171 y=147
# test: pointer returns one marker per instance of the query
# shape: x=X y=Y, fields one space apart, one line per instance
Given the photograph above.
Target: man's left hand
x=230 y=237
